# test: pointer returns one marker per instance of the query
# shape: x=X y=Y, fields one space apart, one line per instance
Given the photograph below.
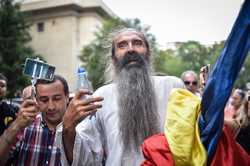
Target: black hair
x=2 y=77
x=240 y=92
x=56 y=77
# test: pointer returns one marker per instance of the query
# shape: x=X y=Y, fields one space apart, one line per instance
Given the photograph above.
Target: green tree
x=167 y=62
x=215 y=51
x=194 y=54
x=243 y=77
x=94 y=56
x=189 y=55
x=13 y=50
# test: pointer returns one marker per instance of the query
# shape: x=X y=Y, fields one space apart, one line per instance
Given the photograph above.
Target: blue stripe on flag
x=222 y=78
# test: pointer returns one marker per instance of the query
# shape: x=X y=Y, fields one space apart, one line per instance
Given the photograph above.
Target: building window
x=40 y=27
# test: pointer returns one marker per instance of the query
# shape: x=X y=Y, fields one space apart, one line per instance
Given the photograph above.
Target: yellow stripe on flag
x=182 y=130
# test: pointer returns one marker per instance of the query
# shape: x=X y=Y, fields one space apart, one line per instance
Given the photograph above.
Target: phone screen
x=38 y=69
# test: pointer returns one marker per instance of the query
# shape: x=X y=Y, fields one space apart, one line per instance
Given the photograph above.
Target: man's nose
x=130 y=47
x=51 y=105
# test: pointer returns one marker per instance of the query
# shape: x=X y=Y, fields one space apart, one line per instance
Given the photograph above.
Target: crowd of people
x=109 y=127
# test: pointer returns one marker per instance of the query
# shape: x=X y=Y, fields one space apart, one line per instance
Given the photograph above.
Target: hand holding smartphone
x=204 y=72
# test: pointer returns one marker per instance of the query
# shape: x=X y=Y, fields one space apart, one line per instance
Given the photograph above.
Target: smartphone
x=207 y=68
x=206 y=71
x=38 y=69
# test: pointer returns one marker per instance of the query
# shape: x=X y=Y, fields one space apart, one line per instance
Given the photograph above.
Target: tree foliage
x=243 y=77
x=94 y=55
x=192 y=55
x=168 y=63
x=13 y=50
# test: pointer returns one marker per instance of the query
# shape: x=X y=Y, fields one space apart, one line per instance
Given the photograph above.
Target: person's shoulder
x=105 y=89
x=8 y=109
x=170 y=80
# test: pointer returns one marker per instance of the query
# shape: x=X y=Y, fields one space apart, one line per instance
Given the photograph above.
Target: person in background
x=133 y=108
x=7 y=110
x=243 y=138
x=234 y=103
x=30 y=138
x=190 y=80
x=232 y=109
x=27 y=93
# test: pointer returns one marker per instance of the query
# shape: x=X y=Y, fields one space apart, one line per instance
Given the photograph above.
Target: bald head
x=27 y=92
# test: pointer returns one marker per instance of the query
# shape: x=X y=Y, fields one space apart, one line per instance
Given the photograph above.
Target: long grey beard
x=138 y=109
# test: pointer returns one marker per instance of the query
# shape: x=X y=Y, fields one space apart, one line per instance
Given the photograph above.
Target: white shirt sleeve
x=88 y=149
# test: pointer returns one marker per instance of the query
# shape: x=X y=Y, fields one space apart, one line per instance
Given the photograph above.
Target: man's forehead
x=50 y=87
x=128 y=34
x=2 y=82
x=190 y=76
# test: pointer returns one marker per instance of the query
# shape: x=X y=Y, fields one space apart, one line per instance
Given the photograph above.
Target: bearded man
x=133 y=108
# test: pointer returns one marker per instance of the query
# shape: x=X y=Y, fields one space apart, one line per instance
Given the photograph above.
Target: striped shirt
x=35 y=146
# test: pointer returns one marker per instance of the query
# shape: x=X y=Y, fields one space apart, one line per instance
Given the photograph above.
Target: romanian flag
x=180 y=145
x=182 y=130
x=194 y=132
x=221 y=80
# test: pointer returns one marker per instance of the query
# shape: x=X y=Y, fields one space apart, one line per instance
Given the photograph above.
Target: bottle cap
x=81 y=70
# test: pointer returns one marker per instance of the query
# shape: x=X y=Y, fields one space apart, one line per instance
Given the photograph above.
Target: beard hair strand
x=138 y=116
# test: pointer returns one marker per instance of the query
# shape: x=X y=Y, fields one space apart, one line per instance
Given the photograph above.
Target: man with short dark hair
x=7 y=111
x=30 y=138
x=133 y=109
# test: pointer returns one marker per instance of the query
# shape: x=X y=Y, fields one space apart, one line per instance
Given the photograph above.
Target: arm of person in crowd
x=238 y=121
x=78 y=110
x=26 y=115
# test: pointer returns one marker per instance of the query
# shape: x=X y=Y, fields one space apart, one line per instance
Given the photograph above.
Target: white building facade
x=61 y=28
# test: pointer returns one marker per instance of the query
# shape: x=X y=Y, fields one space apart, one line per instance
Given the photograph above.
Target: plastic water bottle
x=84 y=83
x=82 y=80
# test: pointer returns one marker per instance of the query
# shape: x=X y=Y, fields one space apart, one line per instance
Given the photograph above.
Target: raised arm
x=77 y=111
x=26 y=115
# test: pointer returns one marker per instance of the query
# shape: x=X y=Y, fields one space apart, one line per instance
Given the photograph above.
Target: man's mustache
x=137 y=59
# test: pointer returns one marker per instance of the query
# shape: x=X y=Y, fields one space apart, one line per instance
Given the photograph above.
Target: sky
x=205 y=21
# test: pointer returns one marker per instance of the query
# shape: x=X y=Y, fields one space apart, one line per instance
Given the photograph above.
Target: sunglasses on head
x=190 y=82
